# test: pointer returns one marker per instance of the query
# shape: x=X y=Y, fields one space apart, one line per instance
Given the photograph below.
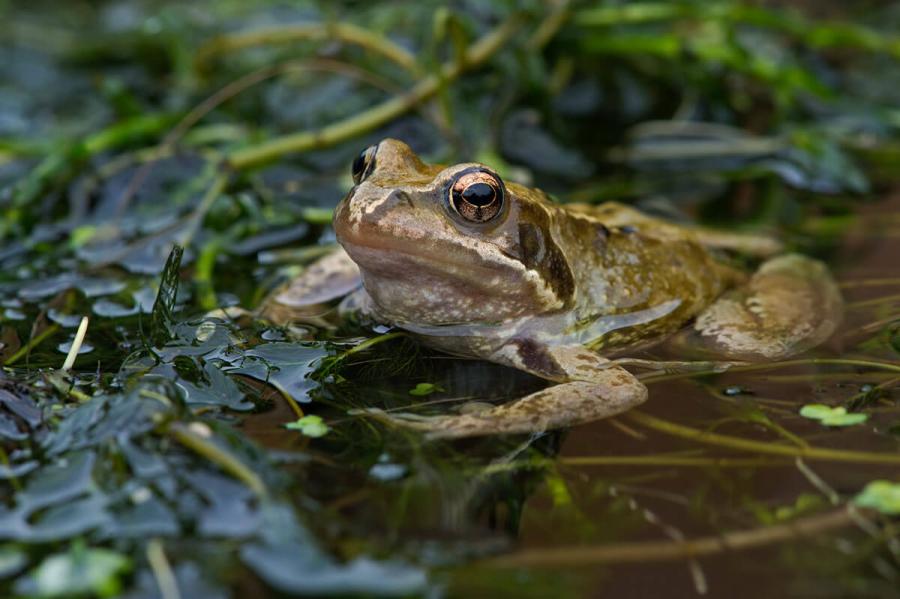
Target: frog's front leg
x=304 y=298
x=588 y=388
x=789 y=305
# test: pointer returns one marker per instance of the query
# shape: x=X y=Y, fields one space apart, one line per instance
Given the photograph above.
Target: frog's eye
x=477 y=196
x=363 y=164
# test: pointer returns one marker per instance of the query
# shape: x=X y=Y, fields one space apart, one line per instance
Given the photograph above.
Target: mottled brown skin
x=543 y=287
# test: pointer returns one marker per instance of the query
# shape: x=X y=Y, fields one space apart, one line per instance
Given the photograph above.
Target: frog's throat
x=551 y=329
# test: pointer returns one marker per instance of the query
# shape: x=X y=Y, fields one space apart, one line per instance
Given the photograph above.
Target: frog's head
x=446 y=245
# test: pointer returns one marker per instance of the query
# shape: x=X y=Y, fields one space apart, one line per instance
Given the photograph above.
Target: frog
x=476 y=266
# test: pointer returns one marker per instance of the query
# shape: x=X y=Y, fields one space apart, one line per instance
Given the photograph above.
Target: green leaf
x=81 y=235
x=423 y=389
x=832 y=416
x=882 y=495
x=161 y=320
x=816 y=411
x=80 y=571
x=311 y=426
x=845 y=419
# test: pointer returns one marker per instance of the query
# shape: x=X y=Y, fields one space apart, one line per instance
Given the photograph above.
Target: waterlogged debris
x=79 y=571
x=881 y=495
x=310 y=425
x=830 y=416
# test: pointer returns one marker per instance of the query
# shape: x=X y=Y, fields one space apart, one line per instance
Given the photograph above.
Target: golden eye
x=477 y=196
x=363 y=164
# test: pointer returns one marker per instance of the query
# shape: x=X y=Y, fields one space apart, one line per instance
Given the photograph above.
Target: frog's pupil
x=359 y=165
x=479 y=194
x=363 y=164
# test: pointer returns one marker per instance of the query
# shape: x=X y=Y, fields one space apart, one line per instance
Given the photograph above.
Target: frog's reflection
x=459 y=497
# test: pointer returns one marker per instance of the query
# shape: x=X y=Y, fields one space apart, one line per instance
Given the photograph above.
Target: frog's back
x=635 y=277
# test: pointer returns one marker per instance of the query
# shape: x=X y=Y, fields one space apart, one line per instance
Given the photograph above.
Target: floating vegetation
x=165 y=166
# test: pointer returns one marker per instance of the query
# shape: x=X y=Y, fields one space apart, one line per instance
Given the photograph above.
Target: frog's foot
x=611 y=391
x=789 y=305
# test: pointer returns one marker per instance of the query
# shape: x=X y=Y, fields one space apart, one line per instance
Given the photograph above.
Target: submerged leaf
x=423 y=389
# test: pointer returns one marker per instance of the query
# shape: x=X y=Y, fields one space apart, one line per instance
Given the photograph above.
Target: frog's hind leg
x=744 y=243
x=601 y=390
x=789 y=305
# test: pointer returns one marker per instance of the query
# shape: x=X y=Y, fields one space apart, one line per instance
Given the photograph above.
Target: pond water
x=611 y=507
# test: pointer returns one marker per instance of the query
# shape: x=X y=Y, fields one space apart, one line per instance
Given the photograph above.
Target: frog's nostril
x=399 y=197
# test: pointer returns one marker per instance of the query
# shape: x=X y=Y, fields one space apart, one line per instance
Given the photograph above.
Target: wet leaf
x=287 y=366
x=881 y=495
x=79 y=571
x=830 y=416
x=310 y=425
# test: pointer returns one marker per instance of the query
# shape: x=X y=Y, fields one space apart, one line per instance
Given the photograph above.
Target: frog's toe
x=403 y=419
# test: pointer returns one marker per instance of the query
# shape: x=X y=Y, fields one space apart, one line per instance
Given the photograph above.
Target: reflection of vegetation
x=130 y=128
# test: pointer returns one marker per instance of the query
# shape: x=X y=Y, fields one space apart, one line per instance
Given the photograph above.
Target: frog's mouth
x=394 y=258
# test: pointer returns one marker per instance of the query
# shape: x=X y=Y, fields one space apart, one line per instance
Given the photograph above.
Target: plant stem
x=811 y=453
x=774 y=365
x=271 y=150
x=344 y=32
x=643 y=551
x=666 y=460
x=196 y=218
x=162 y=570
x=76 y=344
x=32 y=343
x=203 y=274
x=224 y=459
